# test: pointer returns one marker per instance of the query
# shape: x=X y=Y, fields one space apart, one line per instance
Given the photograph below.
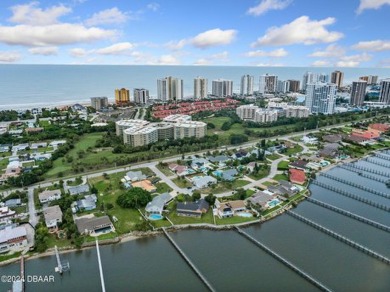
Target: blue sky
x=340 y=33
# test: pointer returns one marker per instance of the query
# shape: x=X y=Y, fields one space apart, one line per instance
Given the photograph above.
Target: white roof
x=10 y=233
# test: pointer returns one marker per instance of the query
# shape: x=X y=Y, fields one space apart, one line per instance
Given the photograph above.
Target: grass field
x=280 y=177
x=108 y=192
x=182 y=183
x=163 y=188
x=283 y=165
x=233 y=220
x=164 y=169
x=206 y=218
x=297 y=149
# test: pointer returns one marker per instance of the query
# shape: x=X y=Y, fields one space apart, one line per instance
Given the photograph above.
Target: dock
x=290 y=265
x=189 y=262
x=100 y=267
x=62 y=266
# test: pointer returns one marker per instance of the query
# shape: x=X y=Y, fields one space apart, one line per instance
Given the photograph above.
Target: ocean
x=29 y=86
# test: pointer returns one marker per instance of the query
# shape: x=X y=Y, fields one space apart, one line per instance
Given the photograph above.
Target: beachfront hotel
x=122 y=96
x=140 y=132
x=170 y=89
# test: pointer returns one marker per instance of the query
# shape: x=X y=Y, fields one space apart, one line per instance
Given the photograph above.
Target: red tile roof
x=297 y=176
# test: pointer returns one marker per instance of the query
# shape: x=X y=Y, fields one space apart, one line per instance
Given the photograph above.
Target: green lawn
x=297 y=149
x=233 y=220
x=103 y=236
x=206 y=218
x=160 y=223
x=273 y=156
x=10 y=256
x=283 y=165
x=108 y=192
x=222 y=187
x=280 y=177
x=164 y=169
x=163 y=188
x=259 y=175
x=3 y=163
x=53 y=240
x=182 y=183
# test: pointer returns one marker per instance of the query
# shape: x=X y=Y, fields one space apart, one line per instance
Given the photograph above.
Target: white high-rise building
x=268 y=83
x=200 y=87
x=141 y=96
x=308 y=78
x=321 y=98
x=255 y=114
x=358 y=92
x=222 y=88
x=384 y=95
x=247 y=85
x=283 y=86
x=170 y=89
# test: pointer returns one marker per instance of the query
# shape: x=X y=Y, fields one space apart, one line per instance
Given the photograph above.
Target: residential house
x=229 y=209
x=283 y=188
x=379 y=127
x=297 y=176
x=201 y=182
x=79 y=190
x=53 y=216
x=88 y=203
x=135 y=176
x=20 y=147
x=13 y=238
x=13 y=202
x=366 y=134
x=192 y=209
x=335 y=138
x=180 y=170
x=33 y=130
x=356 y=139
x=219 y=160
x=37 y=145
x=261 y=199
x=240 y=154
x=57 y=143
x=299 y=164
x=49 y=195
x=6 y=214
x=201 y=164
x=145 y=184
x=94 y=225
x=250 y=166
x=156 y=206
x=330 y=150
x=226 y=175
x=309 y=140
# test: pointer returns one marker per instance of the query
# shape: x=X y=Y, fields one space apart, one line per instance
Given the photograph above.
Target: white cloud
x=44 y=51
x=266 y=5
x=371 y=4
x=375 y=46
x=384 y=63
x=301 y=30
x=269 y=65
x=278 y=53
x=330 y=51
x=214 y=37
x=217 y=58
x=153 y=6
x=353 y=60
x=202 y=61
x=9 y=57
x=32 y=15
x=49 y=35
x=108 y=16
x=167 y=60
x=320 y=63
x=116 y=49
x=78 y=52
x=176 y=45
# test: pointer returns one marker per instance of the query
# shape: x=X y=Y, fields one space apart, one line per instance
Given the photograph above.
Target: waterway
x=230 y=262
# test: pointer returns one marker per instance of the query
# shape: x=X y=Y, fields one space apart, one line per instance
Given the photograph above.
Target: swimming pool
x=244 y=214
x=155 y=217
x=273 y=203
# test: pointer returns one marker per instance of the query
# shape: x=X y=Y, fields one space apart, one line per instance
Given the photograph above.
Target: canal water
x=231 y=262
